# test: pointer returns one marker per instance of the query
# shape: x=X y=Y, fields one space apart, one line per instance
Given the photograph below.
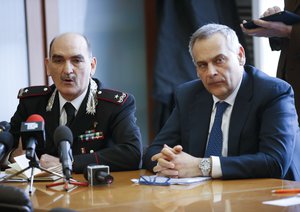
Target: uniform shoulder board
x=116 y=97
x=33 y=91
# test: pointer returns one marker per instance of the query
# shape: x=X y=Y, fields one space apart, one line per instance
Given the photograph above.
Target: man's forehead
x=69 y=47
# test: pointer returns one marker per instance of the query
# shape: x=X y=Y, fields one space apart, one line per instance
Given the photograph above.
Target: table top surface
x=123 y=195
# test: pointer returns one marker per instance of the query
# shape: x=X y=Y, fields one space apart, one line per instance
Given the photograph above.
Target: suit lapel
x=239 y=114
x=199 y=118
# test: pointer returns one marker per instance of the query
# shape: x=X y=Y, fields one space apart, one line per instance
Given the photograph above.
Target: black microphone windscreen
x=7 y=140
x=62 y=133
x=4 y=126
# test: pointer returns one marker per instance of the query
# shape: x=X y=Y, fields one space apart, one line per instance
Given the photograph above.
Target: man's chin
x=219 y=93
x=68 y=93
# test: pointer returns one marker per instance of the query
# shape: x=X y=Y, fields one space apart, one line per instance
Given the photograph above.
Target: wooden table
x=123 y=195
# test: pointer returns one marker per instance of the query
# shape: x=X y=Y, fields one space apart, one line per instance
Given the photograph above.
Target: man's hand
x=48 y=161
x=173 y=162
x=164 y=167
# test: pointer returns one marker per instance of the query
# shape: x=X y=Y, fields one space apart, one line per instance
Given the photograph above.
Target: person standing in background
x=176 y=21
x=287 y=39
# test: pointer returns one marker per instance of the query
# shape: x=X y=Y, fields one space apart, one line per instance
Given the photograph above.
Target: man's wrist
x=205 y=167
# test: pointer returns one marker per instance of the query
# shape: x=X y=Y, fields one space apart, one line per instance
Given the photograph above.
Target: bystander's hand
x=269 y=28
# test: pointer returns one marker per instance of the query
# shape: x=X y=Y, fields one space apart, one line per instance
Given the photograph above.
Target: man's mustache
x=68 y=77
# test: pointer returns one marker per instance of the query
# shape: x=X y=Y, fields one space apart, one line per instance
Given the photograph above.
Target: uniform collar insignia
x=91 y=103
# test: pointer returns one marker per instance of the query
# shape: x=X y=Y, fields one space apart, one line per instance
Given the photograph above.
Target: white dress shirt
x=216 y=171
x=76 y=104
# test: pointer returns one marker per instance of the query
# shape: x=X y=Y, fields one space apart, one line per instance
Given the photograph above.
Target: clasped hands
x=174 y=162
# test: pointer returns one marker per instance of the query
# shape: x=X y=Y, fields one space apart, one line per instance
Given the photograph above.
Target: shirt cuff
x=216 y=171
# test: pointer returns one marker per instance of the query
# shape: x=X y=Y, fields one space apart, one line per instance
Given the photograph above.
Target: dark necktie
x=215 y=142
x=70 y=110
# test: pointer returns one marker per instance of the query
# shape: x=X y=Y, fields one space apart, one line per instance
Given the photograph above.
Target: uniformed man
x=104 y=128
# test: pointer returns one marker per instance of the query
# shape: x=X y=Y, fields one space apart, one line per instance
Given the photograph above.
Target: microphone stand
x=65 y=159
x=33 y=163
x=67 y=182
x=67 y=169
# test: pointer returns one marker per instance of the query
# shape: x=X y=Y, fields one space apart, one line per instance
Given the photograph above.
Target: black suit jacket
x=263 y=129
x=118 y=144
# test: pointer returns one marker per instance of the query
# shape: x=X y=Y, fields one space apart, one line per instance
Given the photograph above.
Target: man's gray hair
x=208 y=30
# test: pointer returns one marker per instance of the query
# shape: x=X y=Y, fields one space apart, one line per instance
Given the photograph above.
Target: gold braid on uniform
x=91 y=103
x=92 y=99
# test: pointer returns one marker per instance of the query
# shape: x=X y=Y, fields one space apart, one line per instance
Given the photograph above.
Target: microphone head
x=4 y=126
x=7 y=140
x=33 y=128
x=62 y=133
x=35 y=118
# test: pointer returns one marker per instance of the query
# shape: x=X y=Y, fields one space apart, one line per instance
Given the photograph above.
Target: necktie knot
x=215 y=142
x=70 y=111
x=221 y=107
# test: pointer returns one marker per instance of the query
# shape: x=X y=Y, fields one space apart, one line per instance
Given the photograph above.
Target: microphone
x=97 y=174
x=4 y=126
x=6 y=143
x=63 y=140
x=33 y=134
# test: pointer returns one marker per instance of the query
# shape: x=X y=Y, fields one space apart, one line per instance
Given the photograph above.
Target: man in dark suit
x=104 y=127
x=259 y=126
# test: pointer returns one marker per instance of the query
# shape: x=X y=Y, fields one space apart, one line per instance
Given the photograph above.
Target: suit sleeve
x=126 y=150
x=169 y=135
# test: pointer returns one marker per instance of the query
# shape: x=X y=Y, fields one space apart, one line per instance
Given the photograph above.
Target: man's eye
x=57 y=60
x=77 y=60
x=220 y=60
x=201 y=66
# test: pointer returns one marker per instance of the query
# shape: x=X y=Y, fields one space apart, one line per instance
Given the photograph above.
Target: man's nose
x=68 y=67
x=211 y=70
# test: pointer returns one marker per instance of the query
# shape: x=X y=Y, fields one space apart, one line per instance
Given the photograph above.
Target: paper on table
x=21 y=163
x=295 y=200
x=172 y=181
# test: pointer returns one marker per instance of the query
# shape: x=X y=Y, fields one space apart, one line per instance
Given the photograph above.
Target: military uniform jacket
x=109 y=137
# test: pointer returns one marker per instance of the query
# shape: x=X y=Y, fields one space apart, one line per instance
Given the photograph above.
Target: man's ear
x=46 y=61
x=241 y=56
x=93 y=66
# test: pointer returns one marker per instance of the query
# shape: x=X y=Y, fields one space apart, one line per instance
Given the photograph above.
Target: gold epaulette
x=113 y=96
x=33 y=91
